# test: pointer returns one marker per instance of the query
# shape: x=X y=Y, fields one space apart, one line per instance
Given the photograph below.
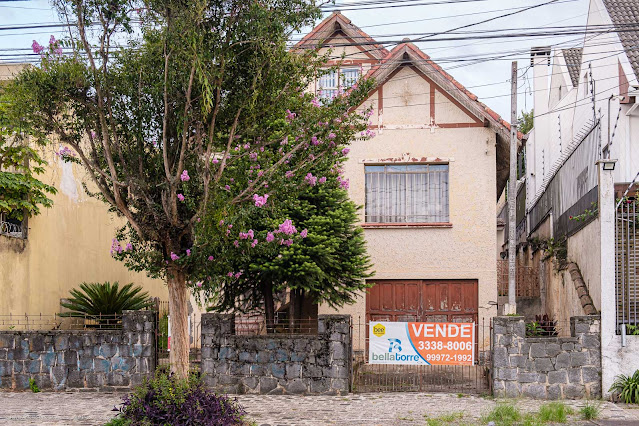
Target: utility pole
x=511 y=307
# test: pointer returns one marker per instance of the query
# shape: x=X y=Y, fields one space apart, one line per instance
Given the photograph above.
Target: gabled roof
x=407 y=52
x=336 y=23
x=624 y=14
x=573 y=63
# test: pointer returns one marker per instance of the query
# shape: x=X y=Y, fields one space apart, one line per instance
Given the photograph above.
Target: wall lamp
x=608 y=164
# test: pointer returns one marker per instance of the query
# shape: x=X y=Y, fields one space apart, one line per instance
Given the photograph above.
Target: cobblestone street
x=358 y=409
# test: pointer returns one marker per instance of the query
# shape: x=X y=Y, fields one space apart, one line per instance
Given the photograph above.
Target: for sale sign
x=421 y=343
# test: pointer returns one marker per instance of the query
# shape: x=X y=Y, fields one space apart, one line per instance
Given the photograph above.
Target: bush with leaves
x=627 y=388
x=95 y=299
x=168 y=400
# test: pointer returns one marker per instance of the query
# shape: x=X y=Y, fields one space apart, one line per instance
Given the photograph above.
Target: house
x=428 y=182
x=586 y=113
x=65 y=245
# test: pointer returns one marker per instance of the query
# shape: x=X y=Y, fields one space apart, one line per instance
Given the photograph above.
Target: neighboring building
x=65 y=245
x=428 y=182
x=586 y=103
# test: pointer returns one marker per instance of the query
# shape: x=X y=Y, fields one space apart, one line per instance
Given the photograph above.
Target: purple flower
x=228 y=188
x=331 y=135
x=230 y=226
x=322 y=179
x=254 y=243
x=343 y=183
x=52 y=40
x=236 y=243
x=221 y=222
x=290 y=116
x=174 y=256
x=346 y=151
x=284 y=141
x=211 y=258
x=199 y=283
x=260 y=201
x=129 y=246
x=230 y=274
x=289 y=174
x=239 y=274
x=185 y=176
x=287 y=227
x=37 y=48
x=316 y=102
x=310 y=179
x=287 y=243
x=93 y=134
x=180 y=197
x=115 y=247
x=58 y=50
x=253 y=156
x=304 y=233
x=270 y=237
x=188 y=252
x=215 y=161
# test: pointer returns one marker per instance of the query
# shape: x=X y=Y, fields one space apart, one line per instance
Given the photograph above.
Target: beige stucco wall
x=465 y=251
x=67 y=244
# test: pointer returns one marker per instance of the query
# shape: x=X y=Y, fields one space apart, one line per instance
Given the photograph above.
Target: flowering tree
x=165 y=120
x=304 y=241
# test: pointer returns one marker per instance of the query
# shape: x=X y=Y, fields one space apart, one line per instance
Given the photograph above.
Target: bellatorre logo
x=394 y=345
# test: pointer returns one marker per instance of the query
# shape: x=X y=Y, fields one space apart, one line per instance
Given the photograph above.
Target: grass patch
x=503 y=415
x=444 y=419
x=590 y=411
x=555 y=412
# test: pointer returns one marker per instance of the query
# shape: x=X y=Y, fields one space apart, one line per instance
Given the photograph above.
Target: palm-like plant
x=627 y=387
x=96 y=299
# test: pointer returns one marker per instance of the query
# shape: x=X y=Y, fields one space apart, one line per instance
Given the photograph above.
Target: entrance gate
x=421 y=301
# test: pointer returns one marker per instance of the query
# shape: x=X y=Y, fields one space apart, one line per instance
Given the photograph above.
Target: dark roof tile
x=625 y=16
x=573 y=63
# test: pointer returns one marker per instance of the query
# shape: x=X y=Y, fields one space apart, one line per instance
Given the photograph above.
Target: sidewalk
x=48 y=408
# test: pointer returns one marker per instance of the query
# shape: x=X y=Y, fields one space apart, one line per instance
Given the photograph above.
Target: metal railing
x=527 y=280
x=65 y=321
x=626 y=264
x=256 y=324
x=11 y=229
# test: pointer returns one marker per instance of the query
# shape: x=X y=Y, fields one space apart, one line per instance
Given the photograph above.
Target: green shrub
x=589 y=411
x=95 y=299
x=555 y=412
x=32 y=385
x=627 y=387
x=503 y=415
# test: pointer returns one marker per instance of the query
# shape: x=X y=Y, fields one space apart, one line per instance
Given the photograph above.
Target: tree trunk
x=269 y=307
x=179 y=312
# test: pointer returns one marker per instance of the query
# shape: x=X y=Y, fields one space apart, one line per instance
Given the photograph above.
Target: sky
x=488 y=79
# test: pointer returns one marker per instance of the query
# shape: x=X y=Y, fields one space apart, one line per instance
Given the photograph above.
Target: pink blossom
x=198 y=220
x=188 y=252
x=185 y=176
x=316 y=102
x=254 y=243
x=260 y=201
x=52 y=40
x=260 y=173
x=228 y=188
x=115 y=247
x=322 y=179
x=247 y=145
x=287 y=227
x=287 y=243
x=261 y=149
x=58 y=50
x=230 y=226
x=311 y=157
x=215 y=161
x=236 y=243
x=284 y=141
x=253 y=156
x=239 y=274
x=289 y=174
x=180 y=197
x=343 y=183
x=199 y=283
x=174 y=256
x=315 y=141
x=346 y=151
x=129 y=246
x=304 y=233
x=331 y=135
x=270 y=237
x=211 y=258
x=310 y=179
x=37 y=48
x=221 y=222
x=230 y=274
x=93 y=134
x=290 y=116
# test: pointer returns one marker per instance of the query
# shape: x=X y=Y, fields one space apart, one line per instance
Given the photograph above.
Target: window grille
x=407 y=193
x=330 y=84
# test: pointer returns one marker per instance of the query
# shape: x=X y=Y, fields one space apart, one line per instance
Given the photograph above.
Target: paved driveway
x=66 y=408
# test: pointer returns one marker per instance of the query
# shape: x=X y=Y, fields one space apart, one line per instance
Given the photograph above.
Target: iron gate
x=162 y=337
x=626 y=263
x=472 y=379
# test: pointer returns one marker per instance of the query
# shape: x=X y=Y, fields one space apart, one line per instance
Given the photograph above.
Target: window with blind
x=330 y=84
x=415 y=193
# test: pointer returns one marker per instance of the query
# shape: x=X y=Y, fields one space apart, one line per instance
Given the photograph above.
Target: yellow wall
x=66 y=245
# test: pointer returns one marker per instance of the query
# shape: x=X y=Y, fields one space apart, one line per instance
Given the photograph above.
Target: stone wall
x=547 y=367
x=86 y=360
x=277 y=363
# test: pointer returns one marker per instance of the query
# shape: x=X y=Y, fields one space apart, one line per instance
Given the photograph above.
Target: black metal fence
x=473 y=379
x=64 y=321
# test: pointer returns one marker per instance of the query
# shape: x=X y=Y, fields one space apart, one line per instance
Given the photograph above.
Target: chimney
x=540 y=62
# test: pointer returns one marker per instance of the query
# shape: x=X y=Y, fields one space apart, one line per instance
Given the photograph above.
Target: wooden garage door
x=422 y=300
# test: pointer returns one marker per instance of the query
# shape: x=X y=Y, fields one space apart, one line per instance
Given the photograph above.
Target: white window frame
x=422 y=195
x=330 y=91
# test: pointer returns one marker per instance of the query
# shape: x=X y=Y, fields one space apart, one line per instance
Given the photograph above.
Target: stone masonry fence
x=277 y=363
x=547 y=367
x=85 y=360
